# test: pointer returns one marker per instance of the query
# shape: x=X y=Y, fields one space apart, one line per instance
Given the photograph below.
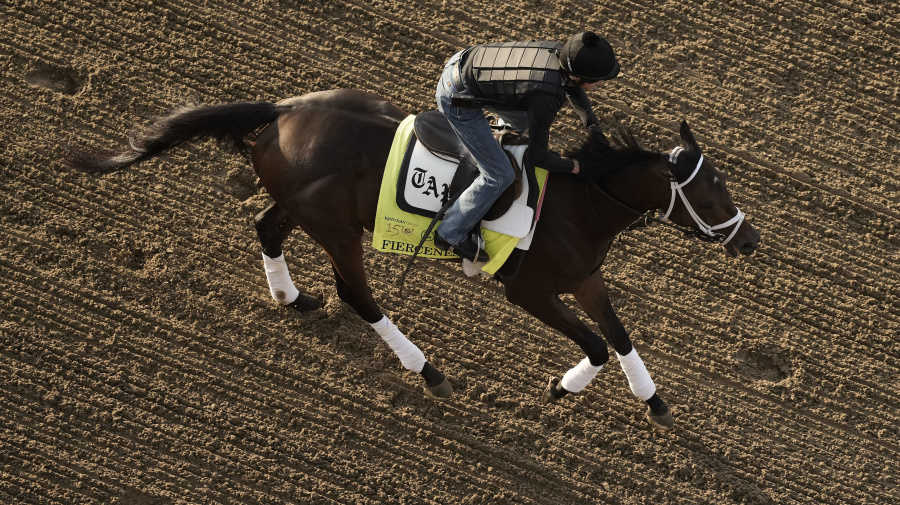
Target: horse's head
x=701 y=201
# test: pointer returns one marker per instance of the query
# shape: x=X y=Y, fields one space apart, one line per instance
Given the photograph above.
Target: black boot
x=467 y=249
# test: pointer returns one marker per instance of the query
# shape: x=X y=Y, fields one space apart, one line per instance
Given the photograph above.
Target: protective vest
x=510 y=72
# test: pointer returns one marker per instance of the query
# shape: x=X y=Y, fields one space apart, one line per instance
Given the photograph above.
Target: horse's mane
x=601 y=156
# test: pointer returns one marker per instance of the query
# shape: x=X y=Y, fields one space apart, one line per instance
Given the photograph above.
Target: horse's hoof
x=661 y=421
x=436 y=385
x=304 y=303
x=440 y=392
x=548 y=397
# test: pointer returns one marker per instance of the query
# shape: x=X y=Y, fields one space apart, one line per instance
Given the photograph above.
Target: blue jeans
x=496 y=175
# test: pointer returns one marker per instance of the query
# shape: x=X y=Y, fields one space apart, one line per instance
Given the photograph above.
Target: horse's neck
x=629 y=194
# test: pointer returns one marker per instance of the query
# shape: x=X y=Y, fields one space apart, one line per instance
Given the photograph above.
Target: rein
x=705 y=232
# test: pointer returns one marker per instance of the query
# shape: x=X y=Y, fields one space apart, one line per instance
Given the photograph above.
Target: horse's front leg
x=550 y=310
x=594 y=299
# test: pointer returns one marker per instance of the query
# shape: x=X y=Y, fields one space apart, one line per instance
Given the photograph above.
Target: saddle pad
x=424 y=187
x=400 y=231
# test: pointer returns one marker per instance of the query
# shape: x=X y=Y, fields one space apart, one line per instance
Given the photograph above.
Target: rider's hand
x=597 y=133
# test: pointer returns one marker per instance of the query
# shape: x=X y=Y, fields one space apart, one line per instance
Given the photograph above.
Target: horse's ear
x=688 y=138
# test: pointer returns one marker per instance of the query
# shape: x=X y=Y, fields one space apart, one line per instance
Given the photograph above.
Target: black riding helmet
x=590 y=57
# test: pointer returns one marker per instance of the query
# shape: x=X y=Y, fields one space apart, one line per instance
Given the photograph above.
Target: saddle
x=433 y=130
x=415 y=192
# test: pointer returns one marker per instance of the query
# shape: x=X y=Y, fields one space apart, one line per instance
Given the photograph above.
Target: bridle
x=705 y=233
x=709 y=232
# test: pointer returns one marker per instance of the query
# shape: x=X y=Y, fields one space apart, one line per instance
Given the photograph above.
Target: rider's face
x=589 y=86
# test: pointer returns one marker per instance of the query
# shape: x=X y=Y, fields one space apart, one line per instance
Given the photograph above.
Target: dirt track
x=143 y=361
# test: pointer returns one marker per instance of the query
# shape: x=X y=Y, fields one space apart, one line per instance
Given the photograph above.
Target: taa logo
x=420 y=179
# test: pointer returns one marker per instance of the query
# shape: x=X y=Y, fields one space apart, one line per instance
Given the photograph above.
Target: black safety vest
x=510 y=72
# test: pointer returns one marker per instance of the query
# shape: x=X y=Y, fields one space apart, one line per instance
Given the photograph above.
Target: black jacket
x=527 y=76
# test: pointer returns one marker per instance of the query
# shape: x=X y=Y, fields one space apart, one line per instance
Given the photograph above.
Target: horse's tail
x=230 y=124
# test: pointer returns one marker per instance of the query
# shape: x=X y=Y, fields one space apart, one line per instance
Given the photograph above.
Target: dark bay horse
x=321 y=157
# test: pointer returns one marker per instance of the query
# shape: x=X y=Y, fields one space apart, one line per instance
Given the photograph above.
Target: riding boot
x=469 y=248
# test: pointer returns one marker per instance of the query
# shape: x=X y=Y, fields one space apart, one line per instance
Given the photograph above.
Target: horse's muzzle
x=745 y=242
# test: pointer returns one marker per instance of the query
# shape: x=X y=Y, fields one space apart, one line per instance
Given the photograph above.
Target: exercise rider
x=524 y=83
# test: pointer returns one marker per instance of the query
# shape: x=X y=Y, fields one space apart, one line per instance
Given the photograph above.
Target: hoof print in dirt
x=764 y=363
x=58 y=79
x=241 y=184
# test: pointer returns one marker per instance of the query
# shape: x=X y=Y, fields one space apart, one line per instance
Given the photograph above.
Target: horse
x=321 y=157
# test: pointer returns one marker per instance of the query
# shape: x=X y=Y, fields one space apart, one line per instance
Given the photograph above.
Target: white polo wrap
x=578 y=377
x=641 y=384
x=410 y=355
x=280 y=284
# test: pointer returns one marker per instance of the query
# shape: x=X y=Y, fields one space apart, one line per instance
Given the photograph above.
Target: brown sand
x=143 y=361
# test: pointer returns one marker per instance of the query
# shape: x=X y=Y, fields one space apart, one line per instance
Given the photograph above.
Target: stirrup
x=464 y=248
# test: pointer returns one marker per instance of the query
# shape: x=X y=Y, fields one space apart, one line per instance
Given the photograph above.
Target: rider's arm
x=542 y=109
x=582 y=105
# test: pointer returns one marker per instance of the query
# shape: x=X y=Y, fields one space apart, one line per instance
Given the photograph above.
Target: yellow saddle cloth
x=398 y=231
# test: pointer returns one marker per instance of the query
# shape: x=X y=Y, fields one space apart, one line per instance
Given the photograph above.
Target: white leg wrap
x=280 y=283
x=410 y=355
x=641 y=384
x=580 y=376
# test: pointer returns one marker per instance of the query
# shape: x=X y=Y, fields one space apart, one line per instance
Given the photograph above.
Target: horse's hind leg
x=353 y=289
x=272 y=226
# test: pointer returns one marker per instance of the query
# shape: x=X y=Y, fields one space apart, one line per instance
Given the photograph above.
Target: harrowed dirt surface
x=143 y=361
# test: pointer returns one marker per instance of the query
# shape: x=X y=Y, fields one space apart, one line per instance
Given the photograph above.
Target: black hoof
x=442 y=391
x=664 y=422
x=436 y=385
x=304 y=303
x=658 y=414
x=553 y=392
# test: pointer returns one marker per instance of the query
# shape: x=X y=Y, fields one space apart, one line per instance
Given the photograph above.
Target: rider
x=524 y=83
